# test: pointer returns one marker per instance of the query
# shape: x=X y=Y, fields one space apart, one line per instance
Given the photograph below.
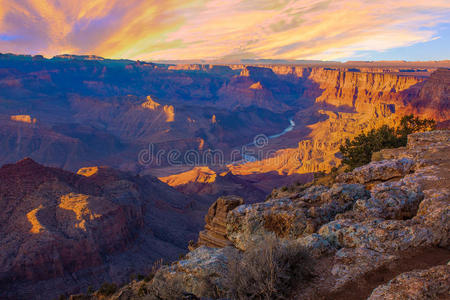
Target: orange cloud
x=214 y=29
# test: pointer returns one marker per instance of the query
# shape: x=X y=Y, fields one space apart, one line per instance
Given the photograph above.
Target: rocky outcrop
x=200 y=272
x=432 y=283
x=150 y=104
x=378 y=171
x=215 y=233
x=293 y=217
x=168 y=110
x=196 y=175
x=406 y=211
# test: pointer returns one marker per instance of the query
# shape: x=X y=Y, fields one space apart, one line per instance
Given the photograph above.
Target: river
x=250 y=158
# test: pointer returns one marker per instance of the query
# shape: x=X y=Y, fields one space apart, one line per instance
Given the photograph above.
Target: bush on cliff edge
x=359 y=151
x=270 y=269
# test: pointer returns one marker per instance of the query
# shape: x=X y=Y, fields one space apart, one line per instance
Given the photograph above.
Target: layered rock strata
x=215 y=233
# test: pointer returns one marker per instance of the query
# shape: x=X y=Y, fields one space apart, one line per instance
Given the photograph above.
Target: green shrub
x=359 y=151
x=410 y=124
x=140 y=277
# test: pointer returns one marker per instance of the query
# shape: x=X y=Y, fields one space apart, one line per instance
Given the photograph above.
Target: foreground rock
x=292 y=218
x=433 y=283
x=201 y=273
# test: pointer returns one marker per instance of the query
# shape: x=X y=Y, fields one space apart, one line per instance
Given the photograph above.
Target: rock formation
x=434 y=98
x=385 y=235
x=196 y=175
x=211 y=184
x=150 y=104
x=24 y=118
x=432 y=283
x=215 y=233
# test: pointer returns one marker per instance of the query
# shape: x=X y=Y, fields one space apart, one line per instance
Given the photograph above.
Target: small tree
x=358 y=151
x=410 y=124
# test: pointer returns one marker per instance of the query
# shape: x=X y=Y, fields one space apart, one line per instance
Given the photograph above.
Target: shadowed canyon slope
x=61 y=232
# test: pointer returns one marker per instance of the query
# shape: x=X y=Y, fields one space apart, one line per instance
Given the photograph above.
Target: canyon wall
x=100 y=106
x=350 y=103
x=433 y=100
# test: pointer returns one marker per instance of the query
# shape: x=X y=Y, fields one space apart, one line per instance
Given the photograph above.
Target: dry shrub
x=166 y=288
x=278 y=224
x=270 y=269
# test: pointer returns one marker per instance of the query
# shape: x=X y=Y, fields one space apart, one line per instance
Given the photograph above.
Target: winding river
x=250 y=158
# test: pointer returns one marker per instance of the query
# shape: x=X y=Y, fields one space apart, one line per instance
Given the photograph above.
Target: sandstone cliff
x=347 y=104
x=24 y=118
x=433 y=100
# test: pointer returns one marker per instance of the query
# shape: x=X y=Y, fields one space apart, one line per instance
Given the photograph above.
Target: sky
x=229 y=30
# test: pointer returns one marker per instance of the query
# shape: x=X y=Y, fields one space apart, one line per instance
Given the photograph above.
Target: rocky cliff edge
x=379 y=232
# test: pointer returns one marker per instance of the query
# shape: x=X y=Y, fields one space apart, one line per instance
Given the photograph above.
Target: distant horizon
x=212 y=61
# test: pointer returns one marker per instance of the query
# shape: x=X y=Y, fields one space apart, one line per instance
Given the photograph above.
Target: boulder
x=433 y=283
x=350 y=264
x=200 y=273
x=378 y=171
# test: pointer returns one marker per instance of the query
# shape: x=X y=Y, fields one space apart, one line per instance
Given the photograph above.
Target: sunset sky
x=229 y=30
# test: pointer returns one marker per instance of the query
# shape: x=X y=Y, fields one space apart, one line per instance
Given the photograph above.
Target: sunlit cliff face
x=217 y=29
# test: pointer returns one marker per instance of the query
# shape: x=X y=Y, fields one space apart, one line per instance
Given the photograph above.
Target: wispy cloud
x=214 y=29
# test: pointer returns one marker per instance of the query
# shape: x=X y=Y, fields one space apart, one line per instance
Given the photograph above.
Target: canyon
x=111 y=165
x=73 y=111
